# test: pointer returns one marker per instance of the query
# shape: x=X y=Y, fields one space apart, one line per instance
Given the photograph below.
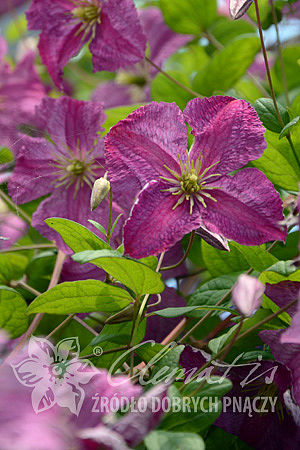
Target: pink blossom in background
x=133 y=85
x=112 y=27
x=12 y=228
x=10 y=5
x=64 y=165
x=292 y=10
x=180 y=191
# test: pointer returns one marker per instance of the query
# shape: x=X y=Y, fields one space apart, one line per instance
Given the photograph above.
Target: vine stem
x=178 y=83
x=288 y=136
x=18 y=210
x=27 y=247
x=191 y=240
x=284 y=79
x=38 y=317
x=108 y=236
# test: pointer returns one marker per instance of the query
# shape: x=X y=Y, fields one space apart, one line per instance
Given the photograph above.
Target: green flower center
x=88 y=13
x=191 y=182
x=79 y=168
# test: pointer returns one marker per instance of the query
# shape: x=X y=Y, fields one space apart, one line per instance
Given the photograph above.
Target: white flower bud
x=247 y=294
x=238 y=8
x=100 y=190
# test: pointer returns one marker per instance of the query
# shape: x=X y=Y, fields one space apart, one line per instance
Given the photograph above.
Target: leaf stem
x=178 y=83
x=191 y=240
x=28 y=247
x=18 y=210
x=108 y=235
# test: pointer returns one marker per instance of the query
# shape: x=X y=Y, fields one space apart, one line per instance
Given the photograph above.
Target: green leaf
x=189 y=16
x=6 y=155
x=13 y=317
x=225 y=30
x=281 y=271
x=168 y=440
x=291 y=56
x=278 y=163
x=151 y=351
x=176 y=312
x=287 y=129
x=211 y=292
x=116 y=338
x=76 y=236
x=267 y=114
x=134 y=274
x=227 y=66
x=12 y=267
x=167 y=366
x=98 y=226
x=114 y=115
x=257 y=257
x=221 y=263
x=80 y=297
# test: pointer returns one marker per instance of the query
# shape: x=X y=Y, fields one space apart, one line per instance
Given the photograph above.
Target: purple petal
x=73 y=271
x=248 y=209
x=12 y=227
x=287 y=354
x=33 y=175
x=119 y=39
x=163 y=42
x=136 y=425
x=150 y=137
x=159 y=327
x=153 y=226
x=226 y=130
x=283 y=293
x=111 y=94
x=73 y=123
x=292 y=334
x=63 y=204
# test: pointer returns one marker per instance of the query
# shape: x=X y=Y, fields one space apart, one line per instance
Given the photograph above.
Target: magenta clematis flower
x=133 y=85
x=292 y=334
x=12 y=228
x=112 y=28
x=182 y=190
x=64 y=164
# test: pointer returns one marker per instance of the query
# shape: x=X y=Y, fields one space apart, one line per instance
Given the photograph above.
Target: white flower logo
x=55 y=379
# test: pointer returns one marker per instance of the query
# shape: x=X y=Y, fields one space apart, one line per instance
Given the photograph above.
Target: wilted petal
x=248 y=209
x=145 y=141
x=247 y=294
x=153 y=226
x=215 y=240
x=119 y=40
x=238 y=8
x=226 y=130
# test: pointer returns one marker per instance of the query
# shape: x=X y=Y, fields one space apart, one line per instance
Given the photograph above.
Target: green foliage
x=13 y=317
x=12 y=267
x=80 y=297
x=267 y=114
x=137 y=276
x=167 y=440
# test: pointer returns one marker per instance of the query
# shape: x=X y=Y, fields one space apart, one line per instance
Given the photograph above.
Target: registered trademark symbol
x=97 y=351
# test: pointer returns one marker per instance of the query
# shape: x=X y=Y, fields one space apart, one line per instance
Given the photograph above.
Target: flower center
x=191 y=182
x=78 y=169
x=88 y=13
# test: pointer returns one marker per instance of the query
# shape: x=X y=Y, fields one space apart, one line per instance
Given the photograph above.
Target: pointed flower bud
x=247 y=294
x=238 y=8
x=100 y=190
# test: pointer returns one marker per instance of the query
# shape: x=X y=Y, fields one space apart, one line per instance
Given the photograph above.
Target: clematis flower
x=247 y=294
x=64 y=164
x=20 y=92
x=133 y=85
x=292 y=334
x=182 y=190
x=292 y=10
x=112 y=28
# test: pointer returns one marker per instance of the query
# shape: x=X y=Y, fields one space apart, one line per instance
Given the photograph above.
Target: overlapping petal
x=153 y=225
x=148 y=139
x=248 y=209
x=226 y=130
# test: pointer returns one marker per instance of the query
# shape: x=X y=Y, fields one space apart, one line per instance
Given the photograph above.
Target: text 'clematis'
x=112 y=27
x=183 y=190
